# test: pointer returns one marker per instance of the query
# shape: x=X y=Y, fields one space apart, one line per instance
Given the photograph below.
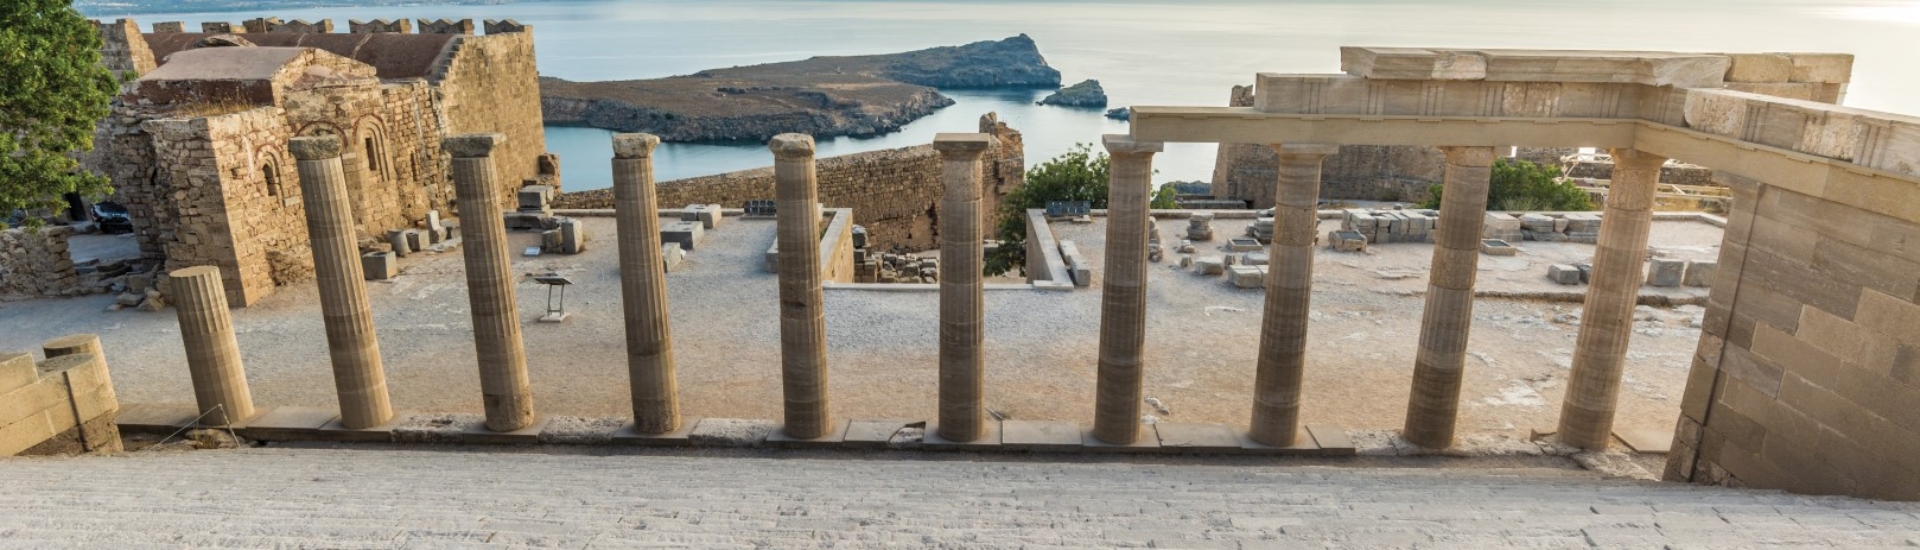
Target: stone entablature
x=195 y=147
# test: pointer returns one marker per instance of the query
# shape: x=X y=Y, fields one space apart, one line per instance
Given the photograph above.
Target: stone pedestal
x=1123 y=296
x=643 y=286
x=1434 y=406
x=496 y=315
x=358 y=375
x=962 y=309
x=213 y=355
x=1283 y=325
x=1593 y=386
x=803 y=321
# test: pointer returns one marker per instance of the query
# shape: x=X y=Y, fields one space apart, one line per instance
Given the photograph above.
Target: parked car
x=112 y=217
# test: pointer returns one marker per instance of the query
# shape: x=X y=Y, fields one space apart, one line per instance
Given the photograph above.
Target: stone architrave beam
x=803 y=321
x=643 y=286
x=962 y=286
x=1599 y=354
x=213 y=355
x=1283 y=325
x=1123 y=296
x=358 y=375
x=1439 y=365
x=507 y=394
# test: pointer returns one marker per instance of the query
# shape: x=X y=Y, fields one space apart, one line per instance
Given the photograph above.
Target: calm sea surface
x=1144 y=53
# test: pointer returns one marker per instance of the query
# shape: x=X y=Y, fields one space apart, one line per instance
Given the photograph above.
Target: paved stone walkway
x=373 y=498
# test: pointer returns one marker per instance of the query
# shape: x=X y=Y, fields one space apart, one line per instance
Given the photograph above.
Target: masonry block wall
x=1807 y=376
x=894 y=193
x=36 y=263
x=491 y=84
x=64 y=405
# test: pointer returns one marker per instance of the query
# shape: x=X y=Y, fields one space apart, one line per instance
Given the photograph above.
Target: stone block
x=1497 y=247
x=1759 y=67
x=1825 y=68
x=380 y=266
x=1027 y=435
x=1663 y=272
x=573 y=236
x=867 y=433
x=289 y=424
x=1246 y=276
x=1347 y=241
x=1700 y=273
x=686 y=234
x=1210 y=265
x=1255 y=258
x=1201 y=438
x=398 y=240
x=534 y=198
x=1331 y=439
x=710 y=216
x=526 y=220
x=681 y=437
x=1243 y=245
x=1147 y=443
x=161 y=419
x=836 y=436
x=671 y=255
x=1564 y=274
x=17 y=371
x=988 y=441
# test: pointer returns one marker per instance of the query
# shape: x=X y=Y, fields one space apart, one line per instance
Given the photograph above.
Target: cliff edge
x=823 y=96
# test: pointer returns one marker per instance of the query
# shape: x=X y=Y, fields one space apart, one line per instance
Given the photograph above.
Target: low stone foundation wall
x=36 y=263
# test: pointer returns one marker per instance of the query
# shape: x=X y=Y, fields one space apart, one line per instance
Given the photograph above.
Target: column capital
x=1636 y=159
x=1123 y=144
x=1305 y=149
x=962 y=146
x=1468 y=155
x=315 y=147
x=791 y=147
x=634 y=146
x=473 y=145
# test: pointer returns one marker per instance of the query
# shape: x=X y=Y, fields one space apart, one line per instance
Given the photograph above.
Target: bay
x=1143 y=52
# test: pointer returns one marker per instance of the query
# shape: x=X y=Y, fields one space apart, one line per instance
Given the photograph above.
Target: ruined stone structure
x=62 y=405
x=894 y=193
x=196 y=146
x=36 y=263
x=1805 y=378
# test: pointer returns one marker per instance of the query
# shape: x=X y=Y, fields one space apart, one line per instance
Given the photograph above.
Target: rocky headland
x=824 y=96
x=1085 y=94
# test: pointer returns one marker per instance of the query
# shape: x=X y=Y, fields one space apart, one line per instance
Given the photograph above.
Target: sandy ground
x=1201 y=343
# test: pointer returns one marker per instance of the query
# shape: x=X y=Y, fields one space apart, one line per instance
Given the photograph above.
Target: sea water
x=1143 y=52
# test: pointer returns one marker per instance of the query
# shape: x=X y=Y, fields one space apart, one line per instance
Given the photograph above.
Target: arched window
x=270 y=171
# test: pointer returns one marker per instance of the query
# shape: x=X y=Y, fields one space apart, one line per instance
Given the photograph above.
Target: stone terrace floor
x=450 y=498
x=1202 y=335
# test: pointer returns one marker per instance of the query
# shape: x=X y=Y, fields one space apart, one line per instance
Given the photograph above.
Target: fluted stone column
x=358 y=375
x=803 y=319
x=1434 y=406
x=962 y=309
x=1593 y=386
x=1283 y=325
x=643 y=286
x=496 y=314
x=1123 y=293
x=213 y=355
x=74 y=344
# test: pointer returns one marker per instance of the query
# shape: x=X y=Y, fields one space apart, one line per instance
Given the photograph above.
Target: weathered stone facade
x=36 y=263
x=894 y=193
x=195 y=148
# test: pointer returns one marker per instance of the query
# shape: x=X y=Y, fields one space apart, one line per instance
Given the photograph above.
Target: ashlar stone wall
x=491 y=84
x=894 y=193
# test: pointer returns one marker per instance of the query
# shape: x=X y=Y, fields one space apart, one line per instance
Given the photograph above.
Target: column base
x=835 y=435
x=676 y=438
x=989 y=439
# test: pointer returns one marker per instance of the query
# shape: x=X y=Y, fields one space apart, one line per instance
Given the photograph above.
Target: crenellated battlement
x=354 y=26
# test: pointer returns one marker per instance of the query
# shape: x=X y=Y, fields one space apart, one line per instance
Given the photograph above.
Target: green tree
x=1168 y=197
x=1520 y=185
x=53 y=90
x=1079 y=175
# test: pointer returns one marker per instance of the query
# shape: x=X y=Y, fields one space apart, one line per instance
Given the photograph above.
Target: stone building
x=195 y=145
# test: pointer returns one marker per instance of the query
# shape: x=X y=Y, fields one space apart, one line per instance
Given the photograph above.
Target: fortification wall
x=36 y=263
x=894 y=193
x=1808 y=369
x=124 y=50
x=492 y=85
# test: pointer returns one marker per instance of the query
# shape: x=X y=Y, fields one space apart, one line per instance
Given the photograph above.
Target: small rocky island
x=823 y=96
x=1084 y=94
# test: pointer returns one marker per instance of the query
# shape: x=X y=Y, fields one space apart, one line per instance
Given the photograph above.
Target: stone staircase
x=460 y=497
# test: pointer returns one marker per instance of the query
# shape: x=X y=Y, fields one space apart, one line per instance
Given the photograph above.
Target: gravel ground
x=1202 y=335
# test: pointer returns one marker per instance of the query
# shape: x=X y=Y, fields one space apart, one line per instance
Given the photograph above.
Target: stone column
x=1123 y=293
x=1283 y=325
x=213 y=356
x=803 y=318
x=962 y=309
x=358 y=375
x=496 y=314
x=1434 y=405
x=74 y=344
x=1593 y=387
x=643 y=286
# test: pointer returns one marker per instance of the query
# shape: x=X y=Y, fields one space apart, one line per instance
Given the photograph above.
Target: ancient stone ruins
x=1805 y=378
